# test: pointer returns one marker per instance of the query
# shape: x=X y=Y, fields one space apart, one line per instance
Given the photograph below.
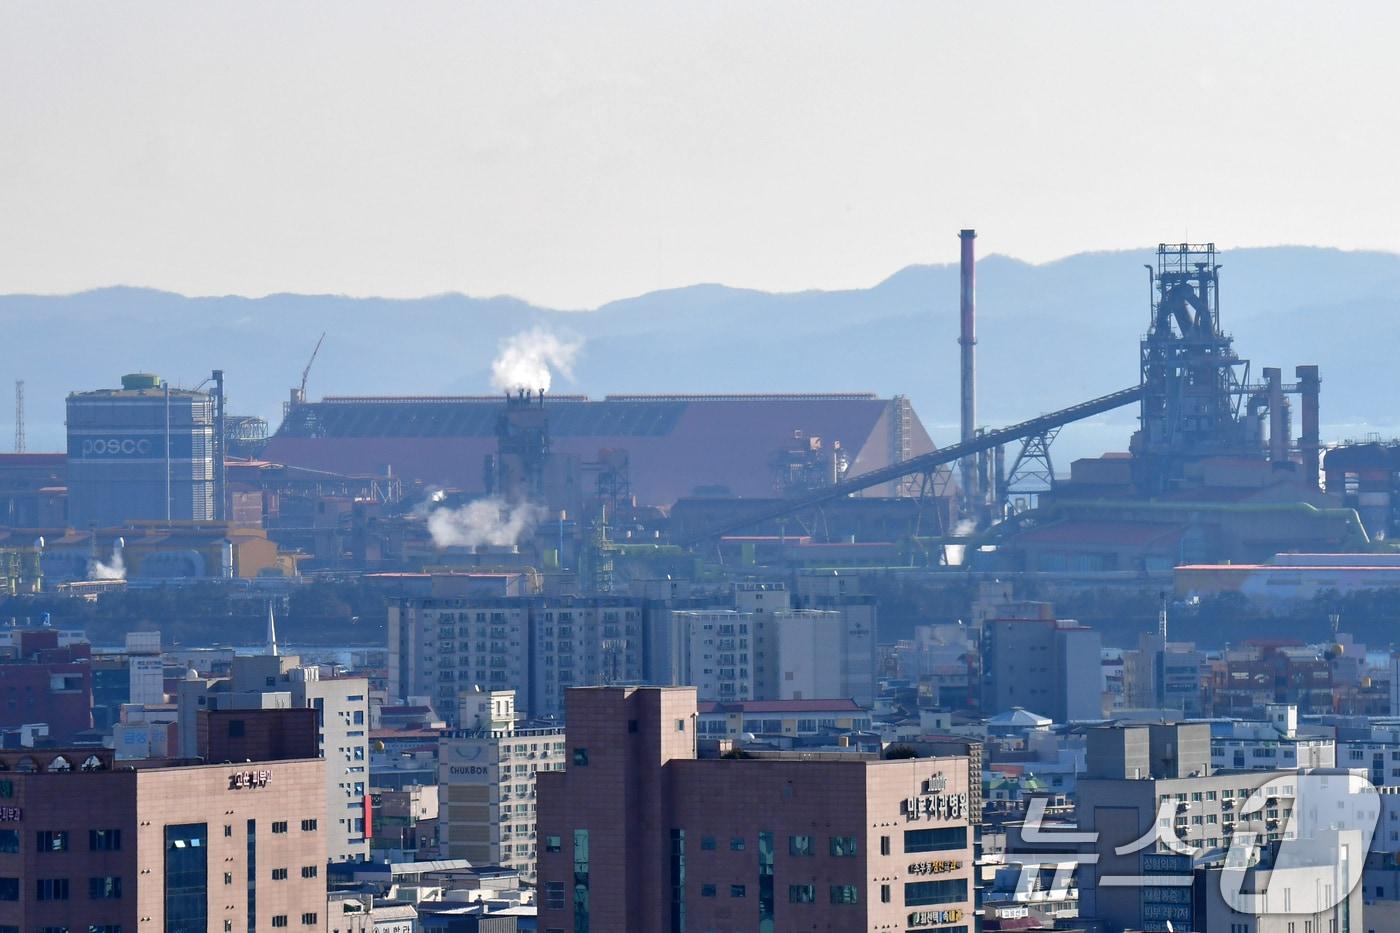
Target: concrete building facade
x=764 y=649
x=1158 y=814
x=486 y=782
x=144 y=451
x=536 y=647
x=1052 y=666
x=342 y=721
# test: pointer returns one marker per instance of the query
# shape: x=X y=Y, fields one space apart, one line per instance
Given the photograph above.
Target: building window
x=51 y=889
x=707 y=890
x=552 y=843
x=884 y=894
x=105 y=887
x=738 y=890
x=844 y=894
x=279 y=874
x=228 y=831
x=49 y=929
x=678 y=908
x=680 y=725
x=736 y=844
x=707 y=843
x=251 y=857
x=926 y=893
x=580 y=757
x=308 y=920
x=884 y=845
x=582 y=910
x=104 y=928
x=843 y=846
x=279 y=826
x=310 y=871
x=52 y=840
x=186 y=877
x=105 y=840
x=308 y=826
x=800 y=845
x=802 y=894
x=765 y=880
x=9 y=889
x=228 y=877
x=935 y=840
x=554 y=895
x=9 y=840
x=279 y=920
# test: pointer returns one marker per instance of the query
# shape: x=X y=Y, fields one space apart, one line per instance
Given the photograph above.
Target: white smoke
x=953 y=554
x=432 y=499
x=491 y=521
x=115 y=570
x=526 y=360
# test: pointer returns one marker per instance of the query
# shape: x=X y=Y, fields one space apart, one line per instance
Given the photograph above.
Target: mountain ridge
x=1050 y=334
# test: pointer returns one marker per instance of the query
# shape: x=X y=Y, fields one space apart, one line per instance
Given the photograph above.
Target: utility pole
x=19 y=416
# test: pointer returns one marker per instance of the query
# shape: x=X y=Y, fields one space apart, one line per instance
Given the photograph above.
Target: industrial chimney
x=968 y=342
x=1309 y=439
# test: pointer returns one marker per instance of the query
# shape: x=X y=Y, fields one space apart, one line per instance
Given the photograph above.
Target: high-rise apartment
x=486 y=780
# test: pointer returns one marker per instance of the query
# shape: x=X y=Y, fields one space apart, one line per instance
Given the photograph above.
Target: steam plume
x=490 y=521
x=114 y=570
x=953 y=554
x=526 y=361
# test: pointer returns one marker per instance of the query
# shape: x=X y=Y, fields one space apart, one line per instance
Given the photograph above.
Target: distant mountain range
x=1048 y=336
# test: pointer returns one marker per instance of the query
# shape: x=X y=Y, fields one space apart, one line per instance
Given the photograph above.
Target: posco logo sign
x=117 y=447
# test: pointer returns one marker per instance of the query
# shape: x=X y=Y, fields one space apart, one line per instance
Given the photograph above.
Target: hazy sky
x=574 y=153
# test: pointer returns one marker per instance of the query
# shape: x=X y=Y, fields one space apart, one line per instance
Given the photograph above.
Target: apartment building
x=486 y=782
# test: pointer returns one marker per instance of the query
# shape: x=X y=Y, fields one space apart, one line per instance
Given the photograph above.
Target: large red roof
x=675 y=445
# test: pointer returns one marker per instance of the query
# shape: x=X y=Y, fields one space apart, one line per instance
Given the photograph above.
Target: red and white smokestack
x=968 y=342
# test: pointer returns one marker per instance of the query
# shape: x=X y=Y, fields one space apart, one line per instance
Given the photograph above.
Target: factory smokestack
x=968 y=342
x=1309 y=440
x=1278 y=417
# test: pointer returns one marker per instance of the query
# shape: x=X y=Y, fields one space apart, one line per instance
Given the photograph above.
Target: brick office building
x=86 y=843
x=640 y=834
x=43 y=681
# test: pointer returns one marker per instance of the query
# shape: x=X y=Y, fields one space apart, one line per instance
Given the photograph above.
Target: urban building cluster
x=688 y=663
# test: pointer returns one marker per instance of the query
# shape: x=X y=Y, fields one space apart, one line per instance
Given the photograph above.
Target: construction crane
x=299 y=393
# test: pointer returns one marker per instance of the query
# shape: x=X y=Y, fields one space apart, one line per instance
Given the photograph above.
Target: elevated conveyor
x=926 y=463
